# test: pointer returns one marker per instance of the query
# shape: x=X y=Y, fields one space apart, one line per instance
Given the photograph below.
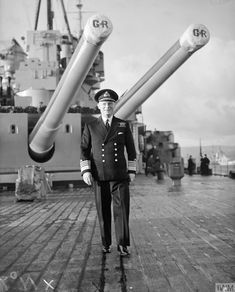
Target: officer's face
x=106 y=108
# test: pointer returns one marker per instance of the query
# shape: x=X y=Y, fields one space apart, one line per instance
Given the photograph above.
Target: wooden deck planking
x=181 y=240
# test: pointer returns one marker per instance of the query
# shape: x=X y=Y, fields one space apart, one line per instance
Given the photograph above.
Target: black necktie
x=107 y=125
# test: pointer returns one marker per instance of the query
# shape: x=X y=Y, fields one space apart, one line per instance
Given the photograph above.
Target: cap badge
x=106 y=94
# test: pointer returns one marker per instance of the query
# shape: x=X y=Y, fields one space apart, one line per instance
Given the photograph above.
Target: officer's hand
x=132 y=176
x=87 y=177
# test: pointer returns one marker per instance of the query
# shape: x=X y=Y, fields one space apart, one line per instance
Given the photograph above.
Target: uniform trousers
x=116 y=192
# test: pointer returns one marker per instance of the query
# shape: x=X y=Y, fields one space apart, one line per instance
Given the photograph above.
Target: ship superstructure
x=28 y=82
x=49 y=96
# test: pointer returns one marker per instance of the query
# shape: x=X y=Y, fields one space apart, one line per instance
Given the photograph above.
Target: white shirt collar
x=110 y=120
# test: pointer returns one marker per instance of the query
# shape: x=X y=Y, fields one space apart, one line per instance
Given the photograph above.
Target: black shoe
x=106 y=249
x=126 y=250
x=123 y=251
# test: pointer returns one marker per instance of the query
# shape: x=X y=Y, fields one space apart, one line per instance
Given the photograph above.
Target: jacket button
x=115 y=149
x=116 y=160
x=103 y=160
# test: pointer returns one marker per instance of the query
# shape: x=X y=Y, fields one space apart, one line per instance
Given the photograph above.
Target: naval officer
x=105 y=164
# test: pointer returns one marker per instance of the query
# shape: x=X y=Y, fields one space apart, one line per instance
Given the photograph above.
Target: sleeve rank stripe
x=85 y=165
x=132 y=165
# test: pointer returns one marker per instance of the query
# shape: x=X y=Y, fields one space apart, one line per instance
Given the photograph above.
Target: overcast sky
x=198 y=100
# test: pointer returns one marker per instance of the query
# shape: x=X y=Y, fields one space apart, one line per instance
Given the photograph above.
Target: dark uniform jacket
x=102 y=152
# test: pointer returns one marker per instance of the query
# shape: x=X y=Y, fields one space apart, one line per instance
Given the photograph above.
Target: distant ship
x=220 y=158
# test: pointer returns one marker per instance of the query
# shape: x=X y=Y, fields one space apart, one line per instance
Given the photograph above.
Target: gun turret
x=41 y=139
x=54 y=141
x=195 y=37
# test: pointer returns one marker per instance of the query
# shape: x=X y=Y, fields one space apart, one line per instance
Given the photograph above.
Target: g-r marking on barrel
x=199 y=32
x=97 y=23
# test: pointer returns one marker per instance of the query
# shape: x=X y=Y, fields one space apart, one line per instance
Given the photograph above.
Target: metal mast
x=49 y=16
x=66 y=21
x=37 y=14
x=80 y=30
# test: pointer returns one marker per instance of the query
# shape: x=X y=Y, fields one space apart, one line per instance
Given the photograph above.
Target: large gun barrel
x=41 y=139
x=195 y=37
